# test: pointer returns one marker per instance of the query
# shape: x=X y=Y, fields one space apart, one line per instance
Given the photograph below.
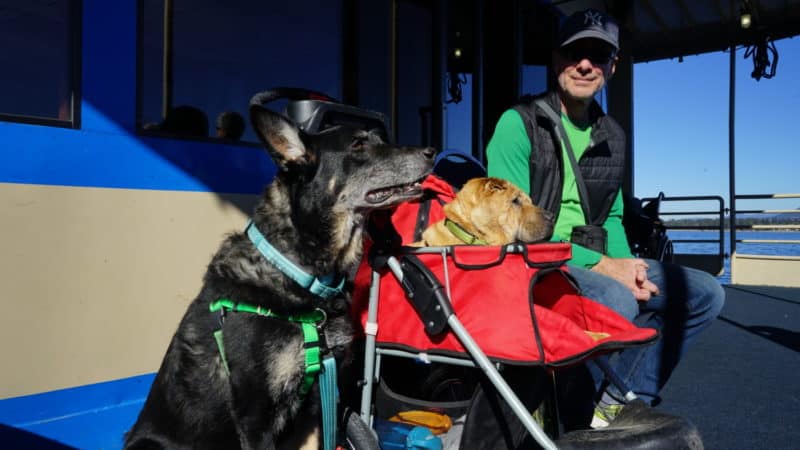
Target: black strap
x=562 y=136
x=423 y=213
x=422 y=218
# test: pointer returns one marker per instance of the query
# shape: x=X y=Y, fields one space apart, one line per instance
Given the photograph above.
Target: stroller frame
x=478 y=357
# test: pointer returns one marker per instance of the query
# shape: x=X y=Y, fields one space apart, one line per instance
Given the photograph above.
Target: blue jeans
x=689 y=300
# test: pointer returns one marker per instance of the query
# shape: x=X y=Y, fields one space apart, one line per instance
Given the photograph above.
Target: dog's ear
x=493 y=184
x=280 y=136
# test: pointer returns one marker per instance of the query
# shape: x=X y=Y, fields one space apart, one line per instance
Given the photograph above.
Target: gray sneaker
x=604 y=414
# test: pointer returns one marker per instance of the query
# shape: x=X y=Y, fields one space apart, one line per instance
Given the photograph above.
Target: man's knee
x=709 y=296
x=715 y=296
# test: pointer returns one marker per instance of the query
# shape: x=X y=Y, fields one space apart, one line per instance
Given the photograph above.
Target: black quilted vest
x=602 y=164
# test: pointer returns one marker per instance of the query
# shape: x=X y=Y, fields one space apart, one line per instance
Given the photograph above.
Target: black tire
x=358 y=435
x=637 y=427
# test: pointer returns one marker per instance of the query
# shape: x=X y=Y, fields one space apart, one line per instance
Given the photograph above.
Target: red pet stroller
x=490 y=307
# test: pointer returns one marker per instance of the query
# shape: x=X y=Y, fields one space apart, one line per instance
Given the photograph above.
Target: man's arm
x=509 y=149
x=617 y=239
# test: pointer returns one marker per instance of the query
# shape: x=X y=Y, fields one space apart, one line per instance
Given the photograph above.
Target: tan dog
x=489 y=211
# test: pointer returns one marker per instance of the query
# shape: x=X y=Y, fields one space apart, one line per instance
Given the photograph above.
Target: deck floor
x=740 y=381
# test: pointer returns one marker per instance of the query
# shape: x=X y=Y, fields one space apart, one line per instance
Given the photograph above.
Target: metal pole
x=439 y=70
x=477 y=83
x=732 y=151
x=394 y=70
x=166 y=82
x=371 y=331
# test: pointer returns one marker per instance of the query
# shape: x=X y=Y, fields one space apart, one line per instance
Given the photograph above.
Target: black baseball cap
x=589 y=23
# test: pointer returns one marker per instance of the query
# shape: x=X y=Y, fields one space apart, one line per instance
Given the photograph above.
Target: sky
x=681 y=127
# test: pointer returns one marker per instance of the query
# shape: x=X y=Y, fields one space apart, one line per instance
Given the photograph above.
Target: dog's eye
x=516 y=201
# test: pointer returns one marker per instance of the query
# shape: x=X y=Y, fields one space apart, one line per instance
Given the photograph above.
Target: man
x=230 y=125
x=530 y=147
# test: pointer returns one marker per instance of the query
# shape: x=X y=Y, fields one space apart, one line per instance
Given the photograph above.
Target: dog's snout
x=429 y=152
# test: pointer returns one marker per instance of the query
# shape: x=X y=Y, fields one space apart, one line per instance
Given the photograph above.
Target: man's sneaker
x=538 y=415
x=604 y=414
x=545 y=416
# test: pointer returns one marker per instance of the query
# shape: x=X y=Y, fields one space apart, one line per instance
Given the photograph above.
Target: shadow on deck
x=740 y=381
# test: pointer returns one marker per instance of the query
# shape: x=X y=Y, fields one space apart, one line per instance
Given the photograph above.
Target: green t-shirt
x=508 y=157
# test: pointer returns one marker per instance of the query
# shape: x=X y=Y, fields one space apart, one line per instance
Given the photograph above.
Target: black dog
x=248 y=390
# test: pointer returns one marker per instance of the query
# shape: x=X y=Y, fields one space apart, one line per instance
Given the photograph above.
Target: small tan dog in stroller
x=489 y=211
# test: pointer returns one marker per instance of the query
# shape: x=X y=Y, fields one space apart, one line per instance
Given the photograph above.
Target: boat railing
x=759 y=264
x=765 y=266
x=780 y=215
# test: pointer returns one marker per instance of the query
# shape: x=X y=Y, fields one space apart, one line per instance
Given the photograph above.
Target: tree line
x=792 y=219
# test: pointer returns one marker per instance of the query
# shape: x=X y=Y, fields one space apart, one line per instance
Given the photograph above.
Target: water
x=749 y=248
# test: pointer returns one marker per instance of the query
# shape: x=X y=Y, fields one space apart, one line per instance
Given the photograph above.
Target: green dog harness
x=309 y=323
x=314 y=364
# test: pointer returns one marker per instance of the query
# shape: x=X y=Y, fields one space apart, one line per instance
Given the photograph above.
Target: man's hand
x=630 y=272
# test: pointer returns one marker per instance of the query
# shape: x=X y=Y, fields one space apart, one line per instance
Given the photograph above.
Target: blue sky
x=681 y=127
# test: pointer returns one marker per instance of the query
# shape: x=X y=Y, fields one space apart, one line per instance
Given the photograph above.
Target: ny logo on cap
x=593 y=18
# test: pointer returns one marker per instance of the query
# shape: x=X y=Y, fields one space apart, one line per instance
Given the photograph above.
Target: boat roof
x=663 y=29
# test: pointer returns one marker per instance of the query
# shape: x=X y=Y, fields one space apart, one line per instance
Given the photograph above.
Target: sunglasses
x=595 y=55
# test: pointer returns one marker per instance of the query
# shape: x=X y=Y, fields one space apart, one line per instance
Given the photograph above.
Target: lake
x=749 y=248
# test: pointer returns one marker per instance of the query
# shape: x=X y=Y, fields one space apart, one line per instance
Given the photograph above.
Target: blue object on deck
x=421 y=438
x=396 y=435
x=94 y=416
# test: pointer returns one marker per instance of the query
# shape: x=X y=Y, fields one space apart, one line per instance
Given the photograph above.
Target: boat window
x=40 y=61
x=202 y=60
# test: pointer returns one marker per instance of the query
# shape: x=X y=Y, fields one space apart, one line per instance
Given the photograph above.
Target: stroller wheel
x=358 y=435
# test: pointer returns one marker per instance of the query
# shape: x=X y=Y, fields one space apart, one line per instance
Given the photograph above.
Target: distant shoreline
x=783 y=230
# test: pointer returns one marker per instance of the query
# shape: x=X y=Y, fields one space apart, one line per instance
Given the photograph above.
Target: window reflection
x=218 y=54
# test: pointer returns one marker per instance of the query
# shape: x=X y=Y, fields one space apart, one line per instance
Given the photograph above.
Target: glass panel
x=534 y=79
x=458 y=117
x=36 y=80
x=224 y=52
